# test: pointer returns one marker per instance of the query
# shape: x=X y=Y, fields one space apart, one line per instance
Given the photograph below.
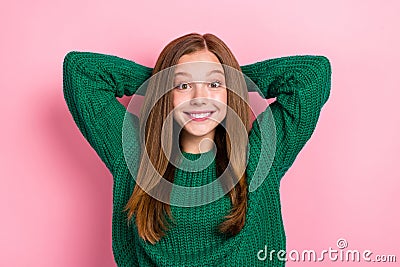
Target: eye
x=183 y=86
x=215 y=84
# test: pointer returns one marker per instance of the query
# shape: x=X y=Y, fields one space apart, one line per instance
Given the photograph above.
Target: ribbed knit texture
x=301 y=85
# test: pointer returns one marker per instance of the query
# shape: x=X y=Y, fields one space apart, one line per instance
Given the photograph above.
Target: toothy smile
x=199 y=115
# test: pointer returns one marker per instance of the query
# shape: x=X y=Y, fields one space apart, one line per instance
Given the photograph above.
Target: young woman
x=196 y=114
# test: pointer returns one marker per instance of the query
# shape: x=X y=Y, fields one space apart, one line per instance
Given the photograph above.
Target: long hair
x=150 y=213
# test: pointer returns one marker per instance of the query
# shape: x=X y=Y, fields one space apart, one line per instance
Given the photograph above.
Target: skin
x=199 y=87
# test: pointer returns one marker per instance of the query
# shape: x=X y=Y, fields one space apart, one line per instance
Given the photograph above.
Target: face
x=199 y=94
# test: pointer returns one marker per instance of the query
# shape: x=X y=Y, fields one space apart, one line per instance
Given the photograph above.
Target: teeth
x=200 y=115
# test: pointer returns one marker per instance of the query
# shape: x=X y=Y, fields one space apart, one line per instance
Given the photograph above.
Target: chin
x=197 y=133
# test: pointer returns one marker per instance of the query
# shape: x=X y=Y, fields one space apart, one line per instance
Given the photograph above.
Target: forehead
x=199 y=64
x=203 y=55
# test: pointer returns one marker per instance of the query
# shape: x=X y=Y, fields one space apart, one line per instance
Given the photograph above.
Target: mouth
x=199 y=116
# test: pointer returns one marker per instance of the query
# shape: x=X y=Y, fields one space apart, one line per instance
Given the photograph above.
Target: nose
x=200 y=94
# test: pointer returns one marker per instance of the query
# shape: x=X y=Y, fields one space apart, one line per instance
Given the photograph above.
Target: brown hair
x=150 y=212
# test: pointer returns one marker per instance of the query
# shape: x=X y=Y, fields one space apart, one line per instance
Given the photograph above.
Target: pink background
x=56 y=194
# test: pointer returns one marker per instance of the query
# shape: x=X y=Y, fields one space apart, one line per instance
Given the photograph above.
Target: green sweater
x=301 y=85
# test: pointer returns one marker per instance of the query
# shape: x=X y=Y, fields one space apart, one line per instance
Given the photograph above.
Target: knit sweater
x=301 y=86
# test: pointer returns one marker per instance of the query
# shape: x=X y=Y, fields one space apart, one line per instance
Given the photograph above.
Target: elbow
x=316 y=77
x=70 y=62
x=324 y=77
x=70 y=68
x=324 y=62
x=325 y=69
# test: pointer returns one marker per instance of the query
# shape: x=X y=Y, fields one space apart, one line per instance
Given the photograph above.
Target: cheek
x=225 y=98
x=176 y=99
x=222 y=99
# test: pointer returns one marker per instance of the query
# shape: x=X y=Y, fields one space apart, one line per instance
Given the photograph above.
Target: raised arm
x=301 y=85
x=91 y=83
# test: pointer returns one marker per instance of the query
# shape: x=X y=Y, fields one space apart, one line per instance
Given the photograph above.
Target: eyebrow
x=183 y=74
x=189 y=75
x=215 y=71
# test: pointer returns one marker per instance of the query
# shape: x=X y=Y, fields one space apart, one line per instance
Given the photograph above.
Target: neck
x=196 y=144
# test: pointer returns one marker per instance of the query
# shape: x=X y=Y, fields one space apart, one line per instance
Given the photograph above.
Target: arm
x=301 y=85
x=91 y=83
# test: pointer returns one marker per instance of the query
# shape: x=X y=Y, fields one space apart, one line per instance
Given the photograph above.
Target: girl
x=154 y=222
